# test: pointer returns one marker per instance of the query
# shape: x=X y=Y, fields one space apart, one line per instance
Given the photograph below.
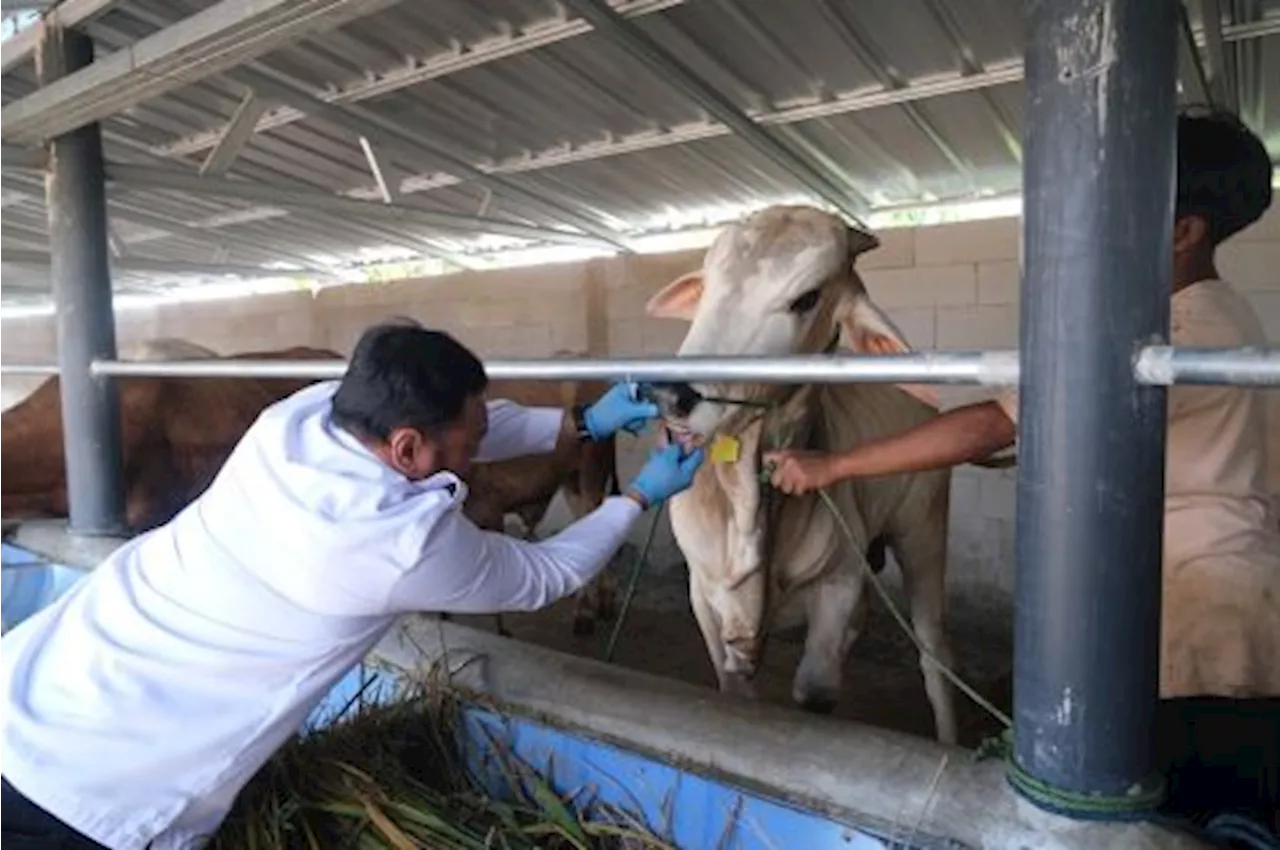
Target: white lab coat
x=138 y=705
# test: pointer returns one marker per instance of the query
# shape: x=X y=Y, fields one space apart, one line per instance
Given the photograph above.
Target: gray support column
x=1098 y=213
x=75 y=192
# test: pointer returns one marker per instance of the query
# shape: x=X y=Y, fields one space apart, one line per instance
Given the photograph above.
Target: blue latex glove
x=666 y=473
x=618 y=409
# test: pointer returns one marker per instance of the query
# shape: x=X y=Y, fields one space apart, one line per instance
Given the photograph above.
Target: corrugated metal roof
x=897 y=101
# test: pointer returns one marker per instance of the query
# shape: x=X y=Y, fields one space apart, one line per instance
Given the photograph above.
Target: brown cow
x=175 y=435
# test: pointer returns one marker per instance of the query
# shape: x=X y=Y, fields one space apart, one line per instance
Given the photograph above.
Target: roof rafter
x=674 y=72
x=432 y=67
x=1193 y=79
x=235 y=135
x=392 y=137
x=212 y=40
x=67 y=13
x=1222 y=77
x=40 y=259
x=160 y=179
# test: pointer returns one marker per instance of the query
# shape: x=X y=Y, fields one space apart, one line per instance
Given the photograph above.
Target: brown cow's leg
x=598 y=599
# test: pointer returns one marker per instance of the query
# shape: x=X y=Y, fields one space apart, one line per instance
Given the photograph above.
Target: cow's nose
x=678 y=399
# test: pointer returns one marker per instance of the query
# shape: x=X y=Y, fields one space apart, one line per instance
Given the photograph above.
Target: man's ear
x=409 y=453
x=678 y=299
x=1188 y=232
x=866 y=329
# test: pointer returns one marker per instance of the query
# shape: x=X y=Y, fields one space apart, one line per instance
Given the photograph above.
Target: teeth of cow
x=684 y=437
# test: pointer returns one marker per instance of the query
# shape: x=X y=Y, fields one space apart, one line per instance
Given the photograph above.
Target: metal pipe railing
x=944 y=367
x=1162 y=365
x=46 y=369
x=1155 y=365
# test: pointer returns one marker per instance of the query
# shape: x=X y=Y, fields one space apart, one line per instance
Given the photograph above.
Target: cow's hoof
x=583 y=625
x=819 y=705
x=738 y=686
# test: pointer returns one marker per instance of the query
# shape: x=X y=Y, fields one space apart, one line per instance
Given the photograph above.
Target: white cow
x=783 y=282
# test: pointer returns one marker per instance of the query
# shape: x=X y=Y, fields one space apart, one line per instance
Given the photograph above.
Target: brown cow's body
x=175 y=435
x=525 y=486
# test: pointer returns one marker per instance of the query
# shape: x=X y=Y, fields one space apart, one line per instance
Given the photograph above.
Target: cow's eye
x=805 y=302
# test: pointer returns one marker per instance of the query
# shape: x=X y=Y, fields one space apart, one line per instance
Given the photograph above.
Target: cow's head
x=779 y=282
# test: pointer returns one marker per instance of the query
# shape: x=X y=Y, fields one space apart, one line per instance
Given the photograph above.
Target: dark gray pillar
x=75 y=193
x=1098 y=213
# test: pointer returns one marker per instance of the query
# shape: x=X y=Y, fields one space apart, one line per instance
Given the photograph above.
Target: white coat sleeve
x=465 y=570
x=515 y=431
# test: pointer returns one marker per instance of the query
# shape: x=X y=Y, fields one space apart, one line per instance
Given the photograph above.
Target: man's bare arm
x=964 y=435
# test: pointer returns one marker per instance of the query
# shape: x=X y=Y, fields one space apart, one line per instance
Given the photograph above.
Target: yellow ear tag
x=725 y=450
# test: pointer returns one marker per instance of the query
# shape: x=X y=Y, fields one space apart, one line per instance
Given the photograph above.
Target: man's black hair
x=1224 y=172
x=402 y=375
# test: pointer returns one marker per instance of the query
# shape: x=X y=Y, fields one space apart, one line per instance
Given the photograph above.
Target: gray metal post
x=1098 y=213
x=75 y=192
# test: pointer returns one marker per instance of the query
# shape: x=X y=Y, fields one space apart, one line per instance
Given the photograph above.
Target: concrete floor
x=882 y=685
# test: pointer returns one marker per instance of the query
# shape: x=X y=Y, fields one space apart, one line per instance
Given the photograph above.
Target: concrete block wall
x=949 y=287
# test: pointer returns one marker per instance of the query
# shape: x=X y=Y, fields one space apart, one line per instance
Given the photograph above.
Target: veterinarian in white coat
x=139 y=704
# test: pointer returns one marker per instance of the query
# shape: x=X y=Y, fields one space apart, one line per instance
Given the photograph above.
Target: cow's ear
x=678 y=299
x=865 y=329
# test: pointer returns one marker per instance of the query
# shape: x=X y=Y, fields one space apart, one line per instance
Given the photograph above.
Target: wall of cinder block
x=948 y=287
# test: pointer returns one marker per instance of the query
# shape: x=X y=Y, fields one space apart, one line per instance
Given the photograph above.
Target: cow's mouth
x=675 y=401
x=683 y=436
x=693 y=418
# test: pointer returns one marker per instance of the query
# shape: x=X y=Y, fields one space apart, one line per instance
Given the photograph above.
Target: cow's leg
x=922 y=553
x=837 y=615
x=709 y=624
x=597 y=601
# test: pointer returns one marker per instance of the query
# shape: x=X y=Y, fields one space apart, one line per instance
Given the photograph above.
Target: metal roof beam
x=120 y=207
x=969 y=63
x=14 y=157
x=1193 y=80
x=307 y=200
x=235 y=135
x=386 y=189
x=536 y=35
x=67 y=13
x=391 y=136
x=1222 y=77
x=40 y=259
x=870 y=56
x=674 y=72
x=213 y=40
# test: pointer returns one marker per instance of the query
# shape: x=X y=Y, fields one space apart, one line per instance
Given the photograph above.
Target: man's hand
x=618 y=409
x=666 y=473
x=799 y=472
